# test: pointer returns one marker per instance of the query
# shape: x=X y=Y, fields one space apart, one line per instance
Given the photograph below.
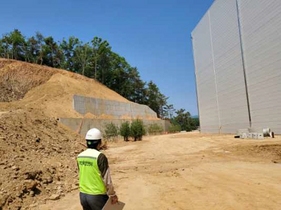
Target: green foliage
x=174 y=128
x=12 y=45
x=194 y=121
x=185 y=121
x=154 y=129
x=111 y=131
x=155 y=99
x=125 y=130
x=53 y=55
x=68 y=48
x=137 y=129
x=82 y=58
x=100 y=59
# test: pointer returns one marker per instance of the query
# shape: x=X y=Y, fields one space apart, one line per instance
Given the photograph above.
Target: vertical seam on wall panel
x=213 y=58
x=196 y=85
x=243 y=63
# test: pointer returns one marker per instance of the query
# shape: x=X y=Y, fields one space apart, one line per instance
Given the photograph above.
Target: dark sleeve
x=102 y=164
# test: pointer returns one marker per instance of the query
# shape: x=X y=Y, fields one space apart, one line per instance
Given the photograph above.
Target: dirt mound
x=37 y=153
x=37 y=158
x=17 y=78
x=52 y=90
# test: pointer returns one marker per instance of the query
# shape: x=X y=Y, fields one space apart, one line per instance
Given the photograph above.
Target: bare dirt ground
x=192 y=171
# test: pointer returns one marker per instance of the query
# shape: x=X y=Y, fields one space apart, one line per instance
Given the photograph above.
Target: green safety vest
x=90 y=179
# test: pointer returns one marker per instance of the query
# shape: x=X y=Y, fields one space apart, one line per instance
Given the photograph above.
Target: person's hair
x=93 y=144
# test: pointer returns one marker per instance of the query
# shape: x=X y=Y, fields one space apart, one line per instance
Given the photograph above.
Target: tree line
x=94 y=59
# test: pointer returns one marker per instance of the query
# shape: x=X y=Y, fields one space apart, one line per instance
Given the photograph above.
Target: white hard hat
x=93 y=134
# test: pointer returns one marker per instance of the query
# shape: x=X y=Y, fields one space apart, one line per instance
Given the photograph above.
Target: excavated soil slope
x=50 y=90
x=37 y=153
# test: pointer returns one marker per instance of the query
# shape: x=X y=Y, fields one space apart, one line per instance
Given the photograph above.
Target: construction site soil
x=37 y=153
x=174 y=171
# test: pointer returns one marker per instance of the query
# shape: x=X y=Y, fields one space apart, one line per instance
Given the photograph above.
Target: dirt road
x=190 y=171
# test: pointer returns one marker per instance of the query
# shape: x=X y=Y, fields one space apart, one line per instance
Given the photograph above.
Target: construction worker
x=94 y=175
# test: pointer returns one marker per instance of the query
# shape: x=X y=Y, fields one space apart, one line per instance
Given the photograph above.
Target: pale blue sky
x=153 y=35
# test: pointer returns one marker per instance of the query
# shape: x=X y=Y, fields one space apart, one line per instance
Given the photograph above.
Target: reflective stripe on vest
x=90 y=179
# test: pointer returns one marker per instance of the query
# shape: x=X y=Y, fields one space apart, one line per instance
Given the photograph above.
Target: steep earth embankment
x=48 y=89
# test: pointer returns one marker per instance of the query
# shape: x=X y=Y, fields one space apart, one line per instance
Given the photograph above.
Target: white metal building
x=237 y=57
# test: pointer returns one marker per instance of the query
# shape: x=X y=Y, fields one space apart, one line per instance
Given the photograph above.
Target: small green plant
x=137 y=129
x=111 y=131
x=174 y=128
x=154 y=129
x=125 y=130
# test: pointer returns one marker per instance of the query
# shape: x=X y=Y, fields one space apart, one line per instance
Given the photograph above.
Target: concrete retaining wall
x=115 y=109
x=118 y=112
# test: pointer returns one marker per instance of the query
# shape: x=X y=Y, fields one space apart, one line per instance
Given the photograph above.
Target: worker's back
x=90 y=179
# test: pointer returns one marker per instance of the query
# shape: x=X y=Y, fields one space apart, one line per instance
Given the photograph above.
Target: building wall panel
x=219 y=52
x=232 y=101
x=261 y=36
x=205 y=77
